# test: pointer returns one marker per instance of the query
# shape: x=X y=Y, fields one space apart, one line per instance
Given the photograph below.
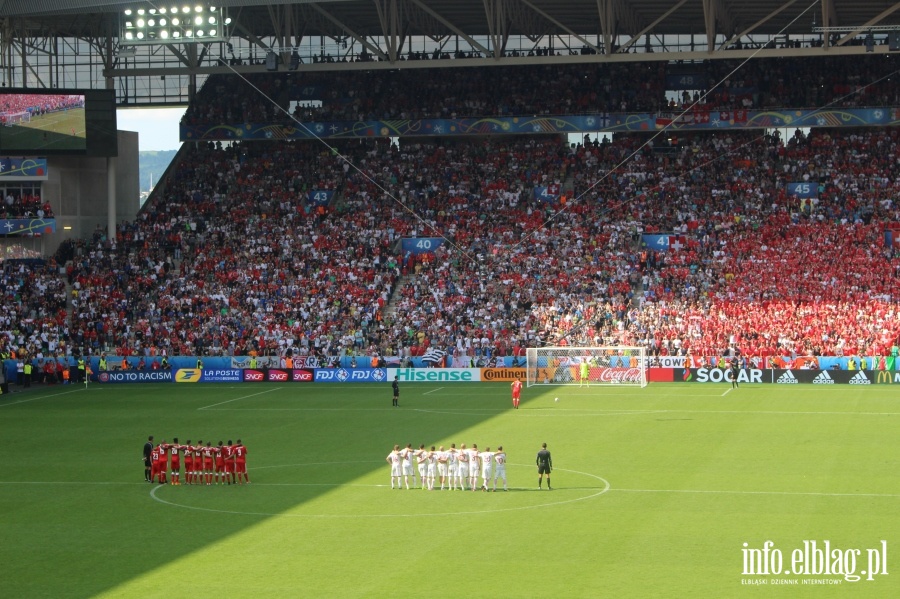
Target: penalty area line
x=239 y=398
x=433 y=390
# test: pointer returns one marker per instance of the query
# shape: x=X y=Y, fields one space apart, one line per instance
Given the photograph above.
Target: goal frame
x=14 y=118
x=608 y=365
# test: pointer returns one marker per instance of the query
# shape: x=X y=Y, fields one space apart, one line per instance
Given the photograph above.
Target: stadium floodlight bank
x=586 y=366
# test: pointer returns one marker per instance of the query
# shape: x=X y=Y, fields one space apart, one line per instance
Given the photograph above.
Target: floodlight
x=184 y=21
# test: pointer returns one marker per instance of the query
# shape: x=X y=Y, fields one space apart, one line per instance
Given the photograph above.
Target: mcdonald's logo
x=887 y=377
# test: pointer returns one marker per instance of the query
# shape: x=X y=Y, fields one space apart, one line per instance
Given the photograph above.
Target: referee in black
x=148 y=449
x=544 y=466
x=396 y=387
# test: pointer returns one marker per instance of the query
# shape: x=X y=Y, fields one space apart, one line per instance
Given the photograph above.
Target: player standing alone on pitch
x=735 y=372
x=516 y=391
x=396 y=387
x=148 y=461
x=585 y=368
x=544 y=465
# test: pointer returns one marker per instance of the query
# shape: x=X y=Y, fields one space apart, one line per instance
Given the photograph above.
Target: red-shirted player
x=197 y=474
x=188 y=461
x=228 y=453
x=176 y=450
x=220 y=464
x=162 y=461
x=154 y=463
x=240 y=462
x=516 y=391
x=208 y=453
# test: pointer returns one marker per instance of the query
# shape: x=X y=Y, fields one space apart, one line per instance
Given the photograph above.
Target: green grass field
x=655 y=492
x=64 y=130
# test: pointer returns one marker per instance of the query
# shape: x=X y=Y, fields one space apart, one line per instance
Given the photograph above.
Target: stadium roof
x=490 y=17
x=76 y=43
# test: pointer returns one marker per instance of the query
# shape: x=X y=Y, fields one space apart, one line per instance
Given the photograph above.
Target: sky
x=157 y=127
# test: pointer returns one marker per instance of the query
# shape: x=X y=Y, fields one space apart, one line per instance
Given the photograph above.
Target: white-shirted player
x=406 y=455
x=394 y=460
x=443 y=460
x=500 y=467
x=486 y=458
x=463 y=467
x=453 y=465
x=431 y=460
x=474 y=467
x=422 y=464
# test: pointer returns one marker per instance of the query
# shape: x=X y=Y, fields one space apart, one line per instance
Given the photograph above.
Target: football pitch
x=63 y=130
x=669 y=491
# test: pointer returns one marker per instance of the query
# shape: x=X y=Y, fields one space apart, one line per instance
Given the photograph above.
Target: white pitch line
x=238 y=398
x=66 y=482
x=433 y=390
x=598 y=492
x=727 y=391
x=710 y=492
x=553 y=411
x=40 y=397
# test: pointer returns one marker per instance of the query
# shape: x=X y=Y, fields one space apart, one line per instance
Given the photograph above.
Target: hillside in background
x=153 y=164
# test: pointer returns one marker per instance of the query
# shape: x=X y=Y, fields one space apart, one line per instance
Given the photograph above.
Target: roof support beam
x=452 y=27
x=759 y=23
x=709 y=21
x=649 y=27
x=829 y=18
x=873 y=21
x=498 y=25
x=562 y=26
x=375 y=50
x=607 y=11
x=390 y=18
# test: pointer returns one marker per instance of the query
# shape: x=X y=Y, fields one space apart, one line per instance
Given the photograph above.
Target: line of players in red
x=222 y=464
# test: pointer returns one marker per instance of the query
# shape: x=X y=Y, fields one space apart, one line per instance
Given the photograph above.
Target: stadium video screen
x=43 y=122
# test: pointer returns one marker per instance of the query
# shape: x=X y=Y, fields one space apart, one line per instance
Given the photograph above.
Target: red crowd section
x=234 y=259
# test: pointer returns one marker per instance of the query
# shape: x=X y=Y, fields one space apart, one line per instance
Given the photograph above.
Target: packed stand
x=234 y=260
x=842 y=81
x=24 y=206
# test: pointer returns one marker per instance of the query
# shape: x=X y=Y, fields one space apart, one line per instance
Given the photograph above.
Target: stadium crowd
x=24 y=205
x=236 y=258
x=843 y=81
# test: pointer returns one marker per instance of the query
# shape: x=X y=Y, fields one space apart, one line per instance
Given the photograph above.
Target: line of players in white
x=453 y=468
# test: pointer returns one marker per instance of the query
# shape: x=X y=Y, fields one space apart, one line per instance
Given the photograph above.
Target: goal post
x=573 y=366
x=14 y=118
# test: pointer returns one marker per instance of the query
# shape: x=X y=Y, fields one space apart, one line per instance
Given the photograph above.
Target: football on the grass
x=555 y=399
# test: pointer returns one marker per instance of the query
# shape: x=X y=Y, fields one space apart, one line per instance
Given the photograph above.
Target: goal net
x=586 y=366
x=14 y=118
